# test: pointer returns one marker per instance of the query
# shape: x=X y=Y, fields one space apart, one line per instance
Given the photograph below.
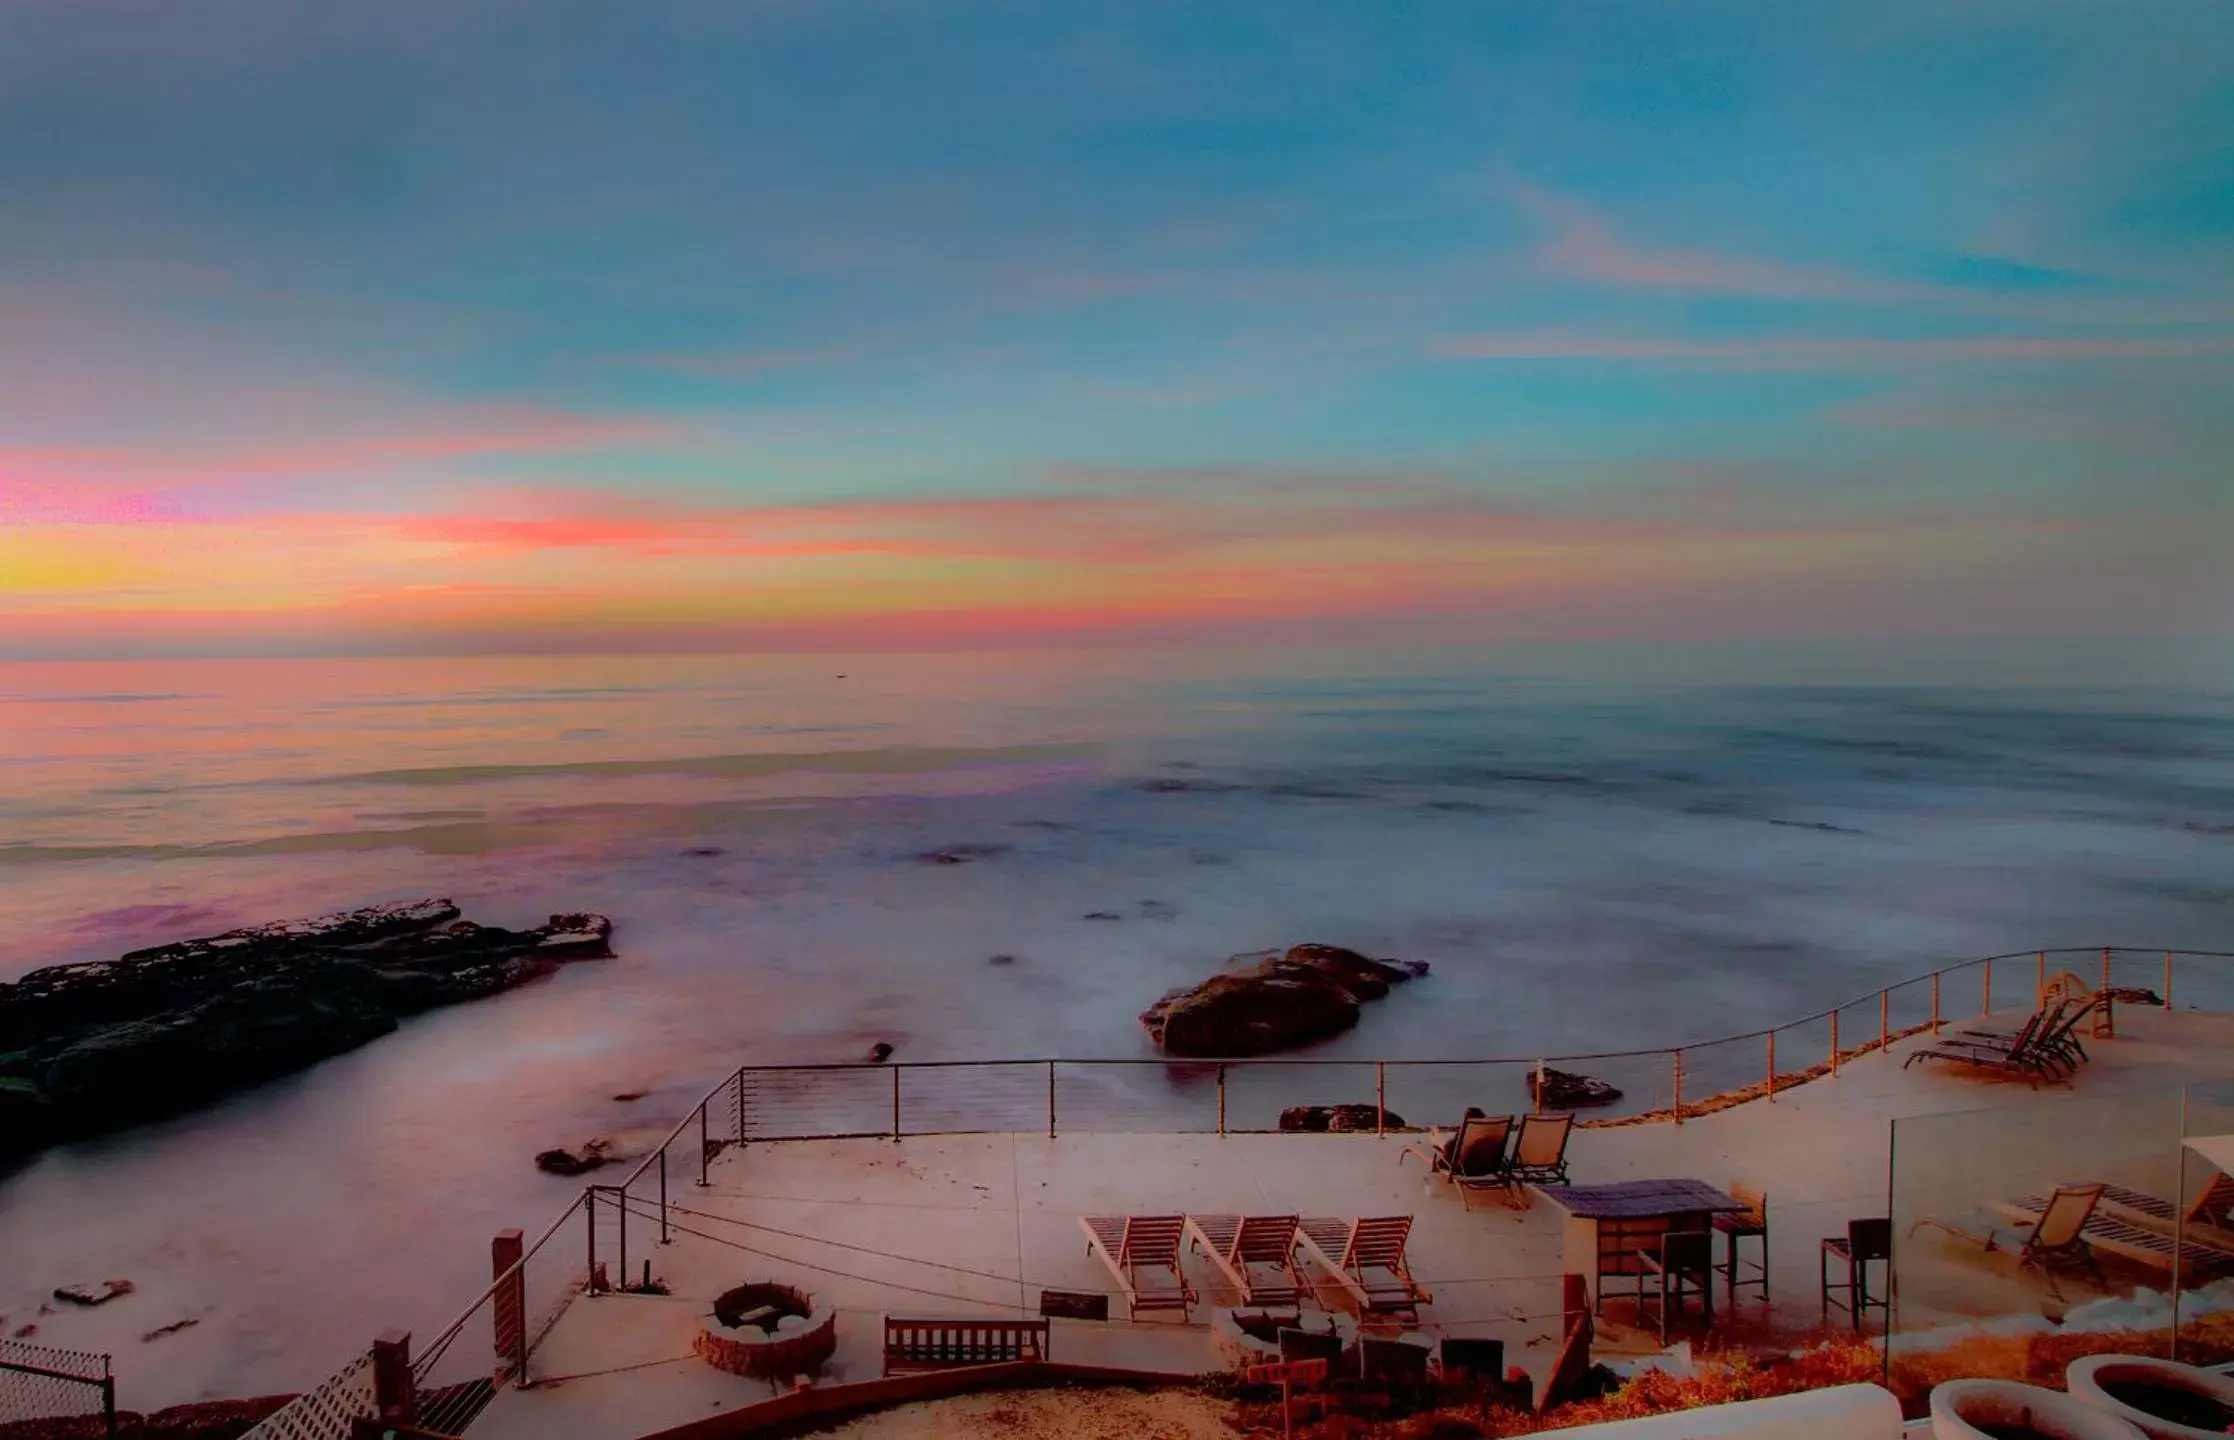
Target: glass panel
x=2027 y=1234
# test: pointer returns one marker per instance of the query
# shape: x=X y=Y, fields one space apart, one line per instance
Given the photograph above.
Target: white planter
x=1960 y=1409
x=2085 y=1380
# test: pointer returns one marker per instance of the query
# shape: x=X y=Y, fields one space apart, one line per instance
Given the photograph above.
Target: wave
x=884 y=761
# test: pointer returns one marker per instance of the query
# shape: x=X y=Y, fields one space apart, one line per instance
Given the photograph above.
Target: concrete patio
x=962 y=1225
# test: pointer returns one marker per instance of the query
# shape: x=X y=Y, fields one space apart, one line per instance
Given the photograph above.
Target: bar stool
x=1750 y=1223
x=1684 y=1265
x=1864 y=1241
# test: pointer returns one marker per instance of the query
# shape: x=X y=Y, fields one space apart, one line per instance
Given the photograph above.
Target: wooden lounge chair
x=2102 y=1231
x=1540 y=1150
x=1366 y=1258
x=1142 y=1252
x=1473 y=1158
x=1256 y=1254
x=2059 y=1240
x=2020 y=1057
x=2056 y=1040
x=2153 y=1212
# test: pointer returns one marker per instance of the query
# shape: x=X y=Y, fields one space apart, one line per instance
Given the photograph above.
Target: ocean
x=807 y=855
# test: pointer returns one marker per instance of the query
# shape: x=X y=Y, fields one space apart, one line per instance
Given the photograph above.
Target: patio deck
x=937 y=1226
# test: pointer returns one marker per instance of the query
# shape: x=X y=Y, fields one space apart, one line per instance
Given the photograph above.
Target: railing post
x=589 y=1213
x=509 y=1305
x=2109 y=1006
x=705 y=1142
x=1221 y=1099
x=1539 y=1095
x=2039 y=979
x=740 y=1079
x=1834 y=1042
x=1986 y=1001
x=1380 y=1097
x=2167 y=979
x=1050 y=1099
x=1772 y=1067
x=395 y=1398
x=895 y=1104
x=664 y=1238
x=1935 y=1002
x=1677 y=1087
x=620 y=1204
x=1884 y=1021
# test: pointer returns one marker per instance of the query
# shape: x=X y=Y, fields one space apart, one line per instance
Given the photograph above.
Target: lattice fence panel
x=325 y=1413
x=39 y=1382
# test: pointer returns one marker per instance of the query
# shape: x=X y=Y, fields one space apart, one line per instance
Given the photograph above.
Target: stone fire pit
x=767 y=1331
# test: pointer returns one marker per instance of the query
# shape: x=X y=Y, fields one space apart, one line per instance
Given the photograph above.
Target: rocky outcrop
x=92 y=1047
x=1269 y=1002
x=592 y=1155
x=1316 y=1119
x=1565 y=1090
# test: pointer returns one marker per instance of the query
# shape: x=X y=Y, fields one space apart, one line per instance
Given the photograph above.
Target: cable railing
x=454 y=1377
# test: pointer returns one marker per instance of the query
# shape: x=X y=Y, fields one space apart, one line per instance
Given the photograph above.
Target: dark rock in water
x=962 y=854
x=705 y=852
x=575 y=1162
x=1317 y=1118
x=880 y=1052
x=1268 y=1002
x=1101 y=915
x=2135 y=995
x=1158 y=910
x=1166 y=785
x=1565 y=1090
x=91 y=1047
x=1000 y=960
x=93 y=1293
x=630 y=1097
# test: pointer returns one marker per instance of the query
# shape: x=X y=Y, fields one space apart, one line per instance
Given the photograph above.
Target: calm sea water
x=1586 y=863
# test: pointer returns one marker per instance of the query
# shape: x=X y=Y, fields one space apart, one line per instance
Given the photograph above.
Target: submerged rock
x=1566 y=1090
x=91 y=1292
x=1262 y=1003
x=95 y=1046
x=880 y=1052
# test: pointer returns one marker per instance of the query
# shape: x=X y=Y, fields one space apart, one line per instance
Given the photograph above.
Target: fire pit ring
x=766 y=1330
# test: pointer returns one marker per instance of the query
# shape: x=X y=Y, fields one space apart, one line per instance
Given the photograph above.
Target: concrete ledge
x=1844 y=1412
x=824 y=1403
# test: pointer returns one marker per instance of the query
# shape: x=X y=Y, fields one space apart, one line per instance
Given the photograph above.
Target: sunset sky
x=339 y=327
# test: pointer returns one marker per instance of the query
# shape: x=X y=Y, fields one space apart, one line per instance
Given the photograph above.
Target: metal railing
x=39 y=1382
x=453 y=1378
x=493 y=1342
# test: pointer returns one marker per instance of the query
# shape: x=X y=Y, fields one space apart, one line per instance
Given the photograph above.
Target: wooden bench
x=943 y=1344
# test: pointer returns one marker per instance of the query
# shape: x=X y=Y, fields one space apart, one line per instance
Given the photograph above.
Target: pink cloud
x=1582 y=243
x=106 y=484
x=1783 y=352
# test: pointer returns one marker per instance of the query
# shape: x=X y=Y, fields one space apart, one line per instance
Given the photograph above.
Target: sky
x=342 y=327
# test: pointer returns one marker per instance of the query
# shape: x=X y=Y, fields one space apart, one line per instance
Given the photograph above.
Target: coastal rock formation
x=579 y=1161
x=1318 y=1118
x=1268 y=1002
x=95 y=1046
x=1565 y=1090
